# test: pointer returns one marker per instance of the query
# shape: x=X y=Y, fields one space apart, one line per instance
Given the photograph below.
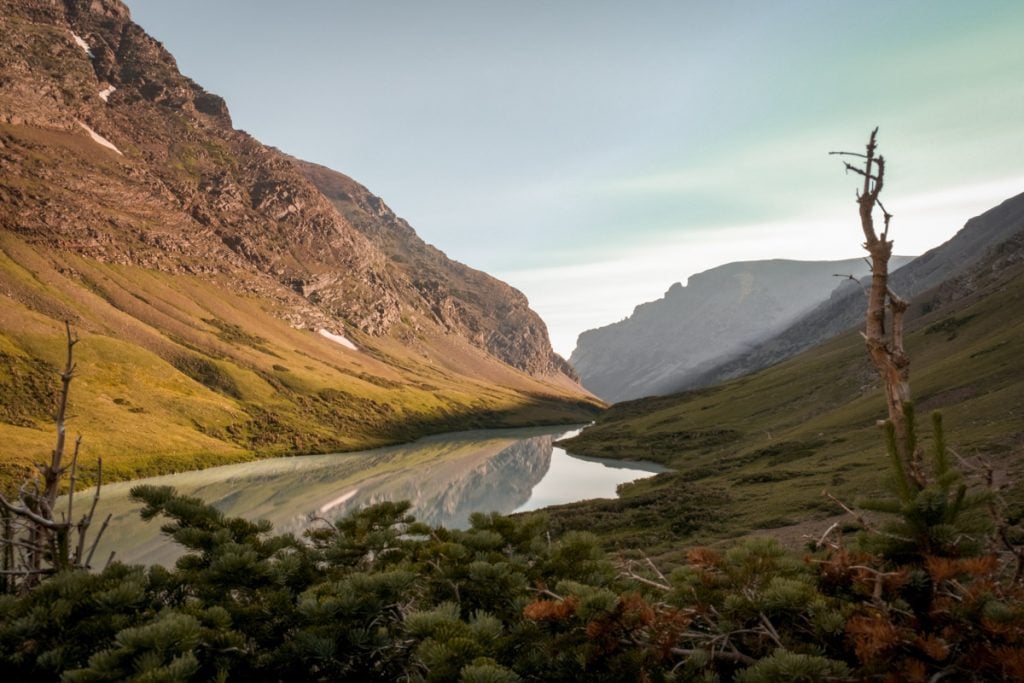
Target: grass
x=777 y=439
x=176 y=373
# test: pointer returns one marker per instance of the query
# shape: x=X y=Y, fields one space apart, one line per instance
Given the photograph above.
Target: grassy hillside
x=756 y=454
x=174 y=372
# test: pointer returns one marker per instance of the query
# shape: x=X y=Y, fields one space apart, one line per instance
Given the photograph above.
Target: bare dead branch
x=849 y=276
x=96 y=541
x=72 y=478
x=37 y=540
x=885 y=347
x=821 y=541
x=654 y=568
x=25 y=512
x=772 y=633
x=861 y=519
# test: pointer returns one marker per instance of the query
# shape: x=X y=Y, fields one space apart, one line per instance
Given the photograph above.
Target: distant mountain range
x=232 y=300
x=741 y=317
x=719 y=313
x=763 y=446
x=946 y=262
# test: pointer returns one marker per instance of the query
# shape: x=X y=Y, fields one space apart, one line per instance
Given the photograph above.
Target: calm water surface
x=446 y=477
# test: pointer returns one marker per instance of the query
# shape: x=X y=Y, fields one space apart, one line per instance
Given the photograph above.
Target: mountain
x=979 y=236
x=719 y=313
x=483 y=309
x=765 y=446
x=232 y=301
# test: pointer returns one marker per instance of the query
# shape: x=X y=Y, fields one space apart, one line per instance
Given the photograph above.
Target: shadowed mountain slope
x=764 y=446
x=844 y=310
x=719 y=312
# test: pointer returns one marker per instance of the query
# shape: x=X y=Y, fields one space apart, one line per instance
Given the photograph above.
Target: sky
x=592 y=153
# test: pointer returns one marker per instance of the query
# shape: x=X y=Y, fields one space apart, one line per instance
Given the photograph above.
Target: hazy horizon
x=592 y=154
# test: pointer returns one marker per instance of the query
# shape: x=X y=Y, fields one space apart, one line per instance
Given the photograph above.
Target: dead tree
x=38 y=539
x=883 y=330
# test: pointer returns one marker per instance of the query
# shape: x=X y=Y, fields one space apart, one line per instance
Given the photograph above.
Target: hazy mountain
x=775 y=438
x=719 y=312
x=955 y=257
x=232 y=308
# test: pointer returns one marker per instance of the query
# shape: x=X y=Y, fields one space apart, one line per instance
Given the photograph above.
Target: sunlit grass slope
x=757 y=453
x=174 y=372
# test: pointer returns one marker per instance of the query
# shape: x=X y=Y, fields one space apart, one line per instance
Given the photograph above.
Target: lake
x=446 y=478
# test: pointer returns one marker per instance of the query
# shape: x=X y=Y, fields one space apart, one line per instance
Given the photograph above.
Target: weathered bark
x=885 y=348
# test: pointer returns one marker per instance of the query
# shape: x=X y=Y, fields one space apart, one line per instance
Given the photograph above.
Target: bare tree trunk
x=34 y=542
x=885 y=348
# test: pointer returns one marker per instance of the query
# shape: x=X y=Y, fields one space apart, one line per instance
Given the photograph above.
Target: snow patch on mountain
x=80 y=41
x=99 y=138
x=339 y=339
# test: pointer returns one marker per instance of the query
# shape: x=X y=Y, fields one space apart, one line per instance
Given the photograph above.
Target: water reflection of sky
x=446 y=478
x=571 y=478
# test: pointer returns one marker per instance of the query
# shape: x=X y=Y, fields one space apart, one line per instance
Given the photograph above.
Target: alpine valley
x=765 y=500
x=752 y=455
x=232 y=301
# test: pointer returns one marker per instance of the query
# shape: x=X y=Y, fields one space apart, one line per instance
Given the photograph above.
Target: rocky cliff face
x=464 y=301
x=995 y=230
x=719 y=313
x=157 y=177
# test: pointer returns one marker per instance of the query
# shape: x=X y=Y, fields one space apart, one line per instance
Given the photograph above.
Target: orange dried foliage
x=934 y=647
x=599 y=629
x=705 y=558
x=1013 y=631
x=914 y=671
x=944 y=568
x=551 y=610
x=893 y=581
x=847 y=569
x=668 y=628
x=635 y=610
x=631 y=614
x=872 y=634
x=1011 y=661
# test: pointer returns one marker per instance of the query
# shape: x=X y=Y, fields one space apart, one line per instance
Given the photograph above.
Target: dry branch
x=34 y=542
x=885 y=346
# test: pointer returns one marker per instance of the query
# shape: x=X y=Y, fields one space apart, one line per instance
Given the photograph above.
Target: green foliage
x=934 y=514
x=815 y=414
x=783 y=665
x=377 y=596
x=646 y=515
x=208 y=373
x=65 y=619
x=161 y=650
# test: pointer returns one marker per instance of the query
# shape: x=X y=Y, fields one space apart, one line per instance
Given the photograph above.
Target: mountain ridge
x=810 y=421
x=955 y=257
x=258 y=317
x=720 y=311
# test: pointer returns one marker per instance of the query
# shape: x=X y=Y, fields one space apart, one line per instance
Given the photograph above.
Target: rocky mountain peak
x=182 y=191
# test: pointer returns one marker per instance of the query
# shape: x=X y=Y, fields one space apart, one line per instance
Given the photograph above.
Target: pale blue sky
x=592 y=153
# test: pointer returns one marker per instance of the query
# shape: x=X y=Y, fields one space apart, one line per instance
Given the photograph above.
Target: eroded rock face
x=489 y=313
x=151 y=173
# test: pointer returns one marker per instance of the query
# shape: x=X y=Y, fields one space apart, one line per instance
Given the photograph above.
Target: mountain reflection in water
x=446 y=478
